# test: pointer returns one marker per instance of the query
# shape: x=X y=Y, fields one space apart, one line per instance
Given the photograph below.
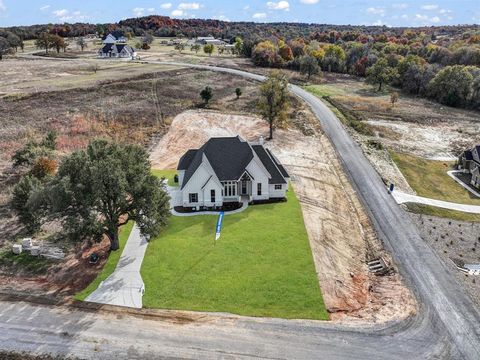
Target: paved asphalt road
x=447 y=325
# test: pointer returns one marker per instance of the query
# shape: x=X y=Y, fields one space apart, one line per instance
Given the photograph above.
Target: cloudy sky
x=390 y=13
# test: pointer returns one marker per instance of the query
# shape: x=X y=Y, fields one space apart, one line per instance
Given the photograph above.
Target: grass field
x=262 y=265
x=325 y=90
x=166 y=173
x=436 y=211
x=430 y=179
x=110 y=265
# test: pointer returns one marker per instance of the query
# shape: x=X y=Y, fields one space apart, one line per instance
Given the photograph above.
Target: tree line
x=443 y=68
x=437 y=62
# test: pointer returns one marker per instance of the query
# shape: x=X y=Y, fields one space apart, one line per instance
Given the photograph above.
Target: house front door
x=244 y=188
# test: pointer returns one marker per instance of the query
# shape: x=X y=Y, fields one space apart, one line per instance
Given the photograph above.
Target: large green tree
x=273 y=102
x=5 y=47
x=309 y=66
x=99 y=189
x=380 y=73
x=25 y=202
x=452 y=85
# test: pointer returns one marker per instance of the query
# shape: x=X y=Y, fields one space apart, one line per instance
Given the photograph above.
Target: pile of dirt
x=341 y=235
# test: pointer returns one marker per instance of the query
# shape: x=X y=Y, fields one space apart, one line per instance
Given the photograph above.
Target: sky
x=354 y=12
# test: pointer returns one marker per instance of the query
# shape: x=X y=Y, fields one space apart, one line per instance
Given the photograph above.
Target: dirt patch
x=56 y=279
x=414 y=125
x=433 y=142
x=452 y=239
x=340 y=233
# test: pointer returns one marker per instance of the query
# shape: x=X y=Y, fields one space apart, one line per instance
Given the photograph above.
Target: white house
x=115 y=37
x=230 y=170
x=469 y=162
x=117 y=51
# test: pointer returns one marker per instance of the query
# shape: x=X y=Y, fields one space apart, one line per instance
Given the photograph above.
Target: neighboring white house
x=228 y=170
x=117 y=51
x=115 y=37
x=469 y=162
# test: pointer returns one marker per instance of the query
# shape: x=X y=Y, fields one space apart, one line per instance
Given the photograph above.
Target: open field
x=110 y=264
x=22 y=76
x=429 y=178
x=413 y=125
x=340 y=234
x=253 y=269
x=134 y=110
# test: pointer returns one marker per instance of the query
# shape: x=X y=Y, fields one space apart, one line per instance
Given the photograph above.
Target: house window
x=212 y=196
x=230 y=188
x=259 y=189
x=193 y=197
x=278 y=187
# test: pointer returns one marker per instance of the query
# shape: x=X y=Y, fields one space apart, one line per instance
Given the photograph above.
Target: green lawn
x=325 y=90
x=110 y=265
x=446 y=213
x=261 y=266
x=166 y=173
x=430 y=179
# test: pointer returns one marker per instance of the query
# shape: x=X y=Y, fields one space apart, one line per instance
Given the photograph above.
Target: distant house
x=209 y=40
x=115 y=37
x=117 y=51
x=469 y=162
x=230 y=170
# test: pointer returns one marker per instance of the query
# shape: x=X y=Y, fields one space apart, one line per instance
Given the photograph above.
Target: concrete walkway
x=124 y=287
x=452 y=173
x=402 y=198
x=176 y=200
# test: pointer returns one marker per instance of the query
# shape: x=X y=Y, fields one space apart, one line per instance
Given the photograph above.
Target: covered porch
x=235 y=191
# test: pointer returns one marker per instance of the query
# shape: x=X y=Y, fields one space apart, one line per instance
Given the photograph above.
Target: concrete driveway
x=125 y=286
x=402 y=198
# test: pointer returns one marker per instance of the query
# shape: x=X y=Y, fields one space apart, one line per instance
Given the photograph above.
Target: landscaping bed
x=262 y=265
x=232 y=206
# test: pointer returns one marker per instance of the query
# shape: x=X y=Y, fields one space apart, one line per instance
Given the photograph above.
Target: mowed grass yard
x=168 y=174
x=430 y=179
x=262 y=265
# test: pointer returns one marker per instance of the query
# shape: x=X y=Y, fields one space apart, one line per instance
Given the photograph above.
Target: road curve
x=447 y=325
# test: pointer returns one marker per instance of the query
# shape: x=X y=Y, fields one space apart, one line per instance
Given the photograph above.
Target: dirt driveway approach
x=340 y=232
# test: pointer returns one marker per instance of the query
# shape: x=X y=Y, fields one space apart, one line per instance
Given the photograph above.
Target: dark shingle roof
x=228 y=156
x=268 y=162
x=468 y=155
x=186 y=159
x=107 y=48
x=116 y=34
x=280 y=166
